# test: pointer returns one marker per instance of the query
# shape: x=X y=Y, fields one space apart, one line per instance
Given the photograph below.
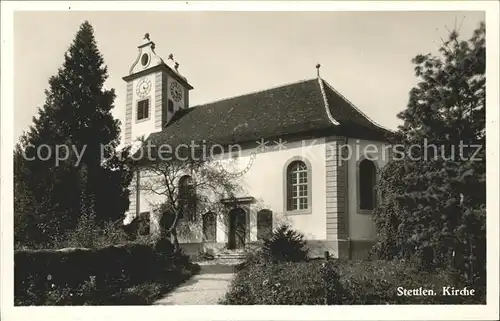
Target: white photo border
x=416 y=312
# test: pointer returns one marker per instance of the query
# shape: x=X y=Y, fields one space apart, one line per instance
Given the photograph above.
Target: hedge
x=342 y=282
x=93 y=276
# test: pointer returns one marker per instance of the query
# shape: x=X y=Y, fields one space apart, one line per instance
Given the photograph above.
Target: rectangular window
x=297 y=193
x=143 y=109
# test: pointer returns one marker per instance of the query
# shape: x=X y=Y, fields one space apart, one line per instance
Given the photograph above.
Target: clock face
x=143 y=87
x=176 y=91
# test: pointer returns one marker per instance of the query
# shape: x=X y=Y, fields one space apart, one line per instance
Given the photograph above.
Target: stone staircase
x=225 y=257
x=230 y=254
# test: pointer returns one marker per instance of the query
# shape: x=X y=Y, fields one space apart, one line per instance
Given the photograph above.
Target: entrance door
x=237 y=228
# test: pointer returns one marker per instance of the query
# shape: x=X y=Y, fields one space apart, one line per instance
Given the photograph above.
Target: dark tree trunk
x=174 y=240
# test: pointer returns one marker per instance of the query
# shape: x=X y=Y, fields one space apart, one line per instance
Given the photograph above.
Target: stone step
x=230 y=255
x=225 y=251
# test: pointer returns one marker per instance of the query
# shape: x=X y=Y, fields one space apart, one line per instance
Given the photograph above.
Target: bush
x=89 y=234
x=377 y=282
x=251 y=258
x=282 y=283
x=142 y=294
x=94 y=276
x=138 y=227
x=343 y=282
x=285 y=245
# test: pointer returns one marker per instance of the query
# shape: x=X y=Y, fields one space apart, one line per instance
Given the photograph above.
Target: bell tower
x=155 y=92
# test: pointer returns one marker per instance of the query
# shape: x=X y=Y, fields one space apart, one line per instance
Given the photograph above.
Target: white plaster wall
x=361 y=226
x=264 y=182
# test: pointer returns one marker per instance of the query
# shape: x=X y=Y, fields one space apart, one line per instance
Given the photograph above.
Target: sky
x=366 y=56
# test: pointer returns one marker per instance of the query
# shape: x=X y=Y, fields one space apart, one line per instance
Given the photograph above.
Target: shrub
x=89 y=234
x=138 y=227
x=285 y=245
x=95 y=276
x=142 y=294
x=240 y=292
x=343 y=282
x=280 y=283
x=251 y=258
x=385 y=277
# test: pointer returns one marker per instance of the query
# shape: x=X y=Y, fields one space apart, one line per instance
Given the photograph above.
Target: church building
x=317 y=172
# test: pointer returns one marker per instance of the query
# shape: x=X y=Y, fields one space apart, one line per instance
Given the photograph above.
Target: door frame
x=243 y=203
x=237 y=215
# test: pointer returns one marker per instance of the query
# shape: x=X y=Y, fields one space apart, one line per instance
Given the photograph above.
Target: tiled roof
x=292 y=109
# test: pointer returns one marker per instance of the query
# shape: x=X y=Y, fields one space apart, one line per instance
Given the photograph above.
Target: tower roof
x=148 y=61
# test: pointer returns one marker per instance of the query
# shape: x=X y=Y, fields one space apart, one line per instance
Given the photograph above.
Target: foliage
x=377 y=282
x=342 y=282
x=251 y=258
x=433 y=206
x=139 y=226
x=285 y=245
x=89 y=234
x=281 y=283
x=130 y=274
x=52 y=193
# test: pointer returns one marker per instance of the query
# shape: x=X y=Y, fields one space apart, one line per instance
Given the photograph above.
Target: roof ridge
x=255 y=92
x=357 y=109
x=325 y=100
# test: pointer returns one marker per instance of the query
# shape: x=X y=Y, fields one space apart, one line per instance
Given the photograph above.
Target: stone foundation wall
x=343 y=249
x=360 y=249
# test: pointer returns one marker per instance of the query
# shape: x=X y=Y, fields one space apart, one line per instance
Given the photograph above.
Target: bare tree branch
x=209 y=184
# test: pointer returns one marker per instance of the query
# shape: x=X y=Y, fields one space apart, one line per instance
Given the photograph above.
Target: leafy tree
x=433 y=192
x=50 y=196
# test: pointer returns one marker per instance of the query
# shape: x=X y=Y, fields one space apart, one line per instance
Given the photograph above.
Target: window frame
x=358 y=186
x=137 y=120
x=286 y=185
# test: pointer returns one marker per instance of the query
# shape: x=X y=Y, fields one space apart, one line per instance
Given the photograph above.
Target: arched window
x=298 y=186
x=187 y=198
x=264 y=224
x=367 y=179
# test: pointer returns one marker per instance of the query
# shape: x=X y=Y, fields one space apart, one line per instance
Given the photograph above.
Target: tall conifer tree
x=433 y=199
x=50 y=197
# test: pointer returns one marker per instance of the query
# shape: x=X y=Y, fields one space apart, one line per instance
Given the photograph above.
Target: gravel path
x=207 y=287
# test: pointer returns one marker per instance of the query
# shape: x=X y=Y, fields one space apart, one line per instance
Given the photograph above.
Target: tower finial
x=146 y=36
x=317 y=67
